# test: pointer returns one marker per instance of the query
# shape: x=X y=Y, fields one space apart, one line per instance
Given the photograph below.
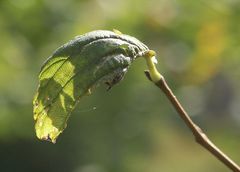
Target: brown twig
x=200 y=136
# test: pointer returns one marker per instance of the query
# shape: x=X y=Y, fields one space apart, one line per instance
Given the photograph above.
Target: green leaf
x=73 y=70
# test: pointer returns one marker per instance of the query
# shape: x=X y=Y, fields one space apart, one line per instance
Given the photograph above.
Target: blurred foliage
x=132 y=127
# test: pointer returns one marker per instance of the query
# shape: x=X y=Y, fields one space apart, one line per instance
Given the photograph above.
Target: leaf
x=73 y=70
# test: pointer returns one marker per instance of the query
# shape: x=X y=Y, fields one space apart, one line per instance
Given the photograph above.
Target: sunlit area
x=133 y=126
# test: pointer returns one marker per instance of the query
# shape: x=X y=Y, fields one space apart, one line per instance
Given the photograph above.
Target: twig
x=200 y=136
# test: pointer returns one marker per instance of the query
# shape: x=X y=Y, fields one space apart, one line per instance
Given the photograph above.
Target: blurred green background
x=132 y=127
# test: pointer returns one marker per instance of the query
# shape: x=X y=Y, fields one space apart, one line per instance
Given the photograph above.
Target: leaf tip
x=45 y=130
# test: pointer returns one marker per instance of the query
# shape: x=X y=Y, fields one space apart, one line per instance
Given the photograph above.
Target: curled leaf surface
x=73 y=70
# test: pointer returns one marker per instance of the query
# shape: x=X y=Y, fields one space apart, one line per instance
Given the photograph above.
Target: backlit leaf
x=73 y=70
